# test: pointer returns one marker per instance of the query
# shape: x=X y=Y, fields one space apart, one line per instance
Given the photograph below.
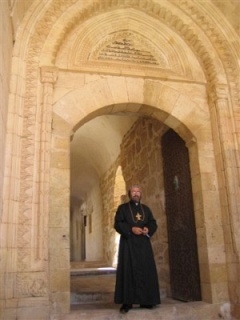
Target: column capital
x=49 y=74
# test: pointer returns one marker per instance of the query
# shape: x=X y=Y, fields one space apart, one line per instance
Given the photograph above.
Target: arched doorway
x=177 y=103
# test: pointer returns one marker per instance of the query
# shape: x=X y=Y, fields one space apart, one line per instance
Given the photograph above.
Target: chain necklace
x=138 y=215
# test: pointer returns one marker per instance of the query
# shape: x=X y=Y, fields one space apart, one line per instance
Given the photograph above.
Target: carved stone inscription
x=126 y=50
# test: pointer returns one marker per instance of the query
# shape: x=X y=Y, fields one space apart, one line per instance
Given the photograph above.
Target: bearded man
x=136 y=278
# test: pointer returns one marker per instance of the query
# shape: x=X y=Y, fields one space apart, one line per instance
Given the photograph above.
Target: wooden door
x=183 y=257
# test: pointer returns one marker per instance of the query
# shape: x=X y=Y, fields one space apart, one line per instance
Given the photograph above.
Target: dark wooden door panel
x=183 y=258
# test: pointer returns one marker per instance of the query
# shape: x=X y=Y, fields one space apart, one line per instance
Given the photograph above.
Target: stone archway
x=197 y=135
x=158 y=96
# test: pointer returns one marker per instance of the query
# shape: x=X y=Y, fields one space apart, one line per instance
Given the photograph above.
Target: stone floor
x=168 y=310
x=92 y=290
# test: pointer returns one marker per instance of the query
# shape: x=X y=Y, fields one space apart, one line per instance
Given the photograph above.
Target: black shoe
x=146 y=306
x=125 y=308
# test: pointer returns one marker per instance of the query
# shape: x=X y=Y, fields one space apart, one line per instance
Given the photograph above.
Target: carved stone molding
x=164 y=14
x=217 y=92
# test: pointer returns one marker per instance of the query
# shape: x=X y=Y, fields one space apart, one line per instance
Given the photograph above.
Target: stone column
x=28 y=284
x=227 y=157
x=48 y=78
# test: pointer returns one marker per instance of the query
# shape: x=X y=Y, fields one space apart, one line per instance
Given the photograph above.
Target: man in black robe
x=136 y=278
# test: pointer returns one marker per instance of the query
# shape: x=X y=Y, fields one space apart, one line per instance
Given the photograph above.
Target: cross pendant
x=139 y=217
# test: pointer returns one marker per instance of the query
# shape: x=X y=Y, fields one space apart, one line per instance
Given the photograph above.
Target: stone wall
x=93 y=229
x=6 y=41
x=110 y=204
x=141 y=162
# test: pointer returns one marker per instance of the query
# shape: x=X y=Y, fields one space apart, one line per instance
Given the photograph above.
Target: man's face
x=135 y=193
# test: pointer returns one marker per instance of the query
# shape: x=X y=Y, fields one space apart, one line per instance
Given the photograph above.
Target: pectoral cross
x=138 y=216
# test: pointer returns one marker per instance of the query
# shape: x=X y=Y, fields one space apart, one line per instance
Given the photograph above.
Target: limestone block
x=219 y=292
x=100 y=94
x=9 y=314
x=59 y=197
x=204 y=273
x=60 y=302
x=118 y=90
x=135 y=89
x=218 y=273
x=12 y=257
x=60 y=160
x=71 y=108
x=212 y=212
x=214 y=234
x=206 y=291
x=60 y=143
x=216 y=254
x=12 y=303
x=168 y=97
x=59 y=216
x=173 y=123
x=60 y=176
x=33 y=302
x=59 y=237
x=152 y=92
x=2 y=283
x=60 y=126
x=59 y=258
x=69 y=81
x=201 y=237
x=60 y=280
x=198 y=215
x=26 y=313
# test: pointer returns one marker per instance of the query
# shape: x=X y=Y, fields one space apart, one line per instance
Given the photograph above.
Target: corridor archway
x=159 y=112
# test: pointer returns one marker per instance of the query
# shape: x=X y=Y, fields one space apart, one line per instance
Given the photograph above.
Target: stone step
x=92 y=271
x=91 y=297
x=168 y=310
x=92 y=285
x=87 y=264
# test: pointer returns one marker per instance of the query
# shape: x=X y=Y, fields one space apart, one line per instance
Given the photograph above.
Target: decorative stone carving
x=127 y=49
x=31 y=284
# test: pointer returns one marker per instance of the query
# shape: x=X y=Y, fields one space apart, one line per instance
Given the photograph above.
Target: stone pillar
x=26 y=277
x=59 y=214
x=54 y=181
x=227 y=157
x=32 y=285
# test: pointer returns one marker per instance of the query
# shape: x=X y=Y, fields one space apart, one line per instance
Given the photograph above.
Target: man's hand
x=137 y=231
x=145 y=230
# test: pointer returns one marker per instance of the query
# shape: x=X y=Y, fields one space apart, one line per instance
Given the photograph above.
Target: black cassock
x=136 y=278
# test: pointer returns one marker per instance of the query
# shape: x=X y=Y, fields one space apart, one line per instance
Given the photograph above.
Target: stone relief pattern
x=29 y=172
x=164 y=14
x=57 y=8
x=222 y=46
x=31 y=285
x=23 y=256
